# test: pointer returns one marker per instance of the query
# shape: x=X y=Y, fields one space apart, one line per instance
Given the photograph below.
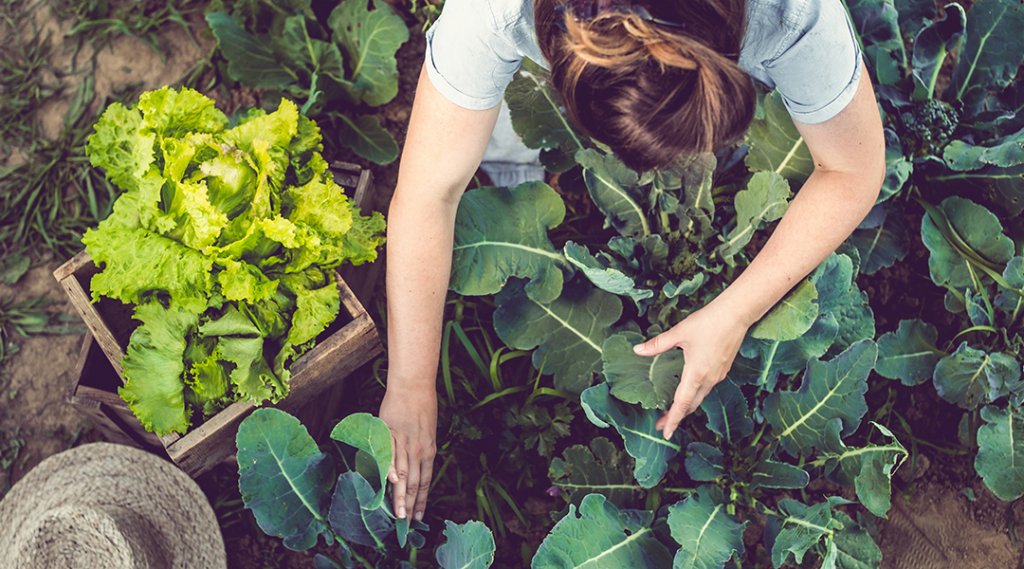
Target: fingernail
x=401 y=512
x=419 y=516
x=637 y=348
x=667 y=434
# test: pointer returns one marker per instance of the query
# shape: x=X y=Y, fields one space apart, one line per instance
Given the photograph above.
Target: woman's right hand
x=411 y=413
x=443 y=147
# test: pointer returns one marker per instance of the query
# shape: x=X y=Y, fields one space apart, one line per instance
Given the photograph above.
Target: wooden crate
x=314 y=386
x=94 y=393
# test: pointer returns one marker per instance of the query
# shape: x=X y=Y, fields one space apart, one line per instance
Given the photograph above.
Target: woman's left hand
x=710 y=339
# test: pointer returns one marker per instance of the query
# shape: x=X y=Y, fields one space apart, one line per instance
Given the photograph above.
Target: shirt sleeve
x=466 y=57
x=817 y=69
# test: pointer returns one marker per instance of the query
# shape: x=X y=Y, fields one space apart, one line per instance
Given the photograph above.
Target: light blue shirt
x=805 y=49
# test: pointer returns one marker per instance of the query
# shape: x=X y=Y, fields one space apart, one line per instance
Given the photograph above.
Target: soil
x=935 y=522
x=35 y=382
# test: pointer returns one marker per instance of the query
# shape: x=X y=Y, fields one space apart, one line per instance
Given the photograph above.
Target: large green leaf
x=367 y=138
x=1003 y=187
x=636 y=427
x=369 y=39
x=762 y=362
x=774 y=474
x=1000 y=460
x=352 y=516
x=898 y=167
x=828 y=390
x=708 y=537
x=283 y=477
x=881 y=239
x=765 y=199
x=869 y=469
x=931 y=45
x=970 y=377
x=841 y=301
x=792 y=317
x=648 y=381
x=909 y=353
x=877 y=23
x=567 y=332
x=776 y=145
x=502 y=233
x=371 y=435
x=704 y=463
x=536 y=115
x=602 y=469
x=251 y=61
x=1011 y=300
x=613 y=187
x=601 y=536
x=854 y=547
x=139 y=264
x=963 y=157
x=727 y=412
x=154 y=388
x=802 y=528
x=467 y=546
x=992 y=53
x=914 y=14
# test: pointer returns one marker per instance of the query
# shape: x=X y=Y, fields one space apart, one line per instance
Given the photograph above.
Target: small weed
x=99 y=21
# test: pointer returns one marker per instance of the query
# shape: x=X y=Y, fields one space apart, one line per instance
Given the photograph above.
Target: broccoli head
x=928 y=126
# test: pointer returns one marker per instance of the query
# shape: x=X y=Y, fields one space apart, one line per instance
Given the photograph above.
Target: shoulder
x=808 y=51
x=476 y=46
x=493 y=16
x=776 y=26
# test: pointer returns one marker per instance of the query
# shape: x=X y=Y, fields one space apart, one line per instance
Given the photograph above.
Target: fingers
x=413 y=484
x=692 y=390
x=402 y=477
x=682 y=404
x=426 y=473
x=657 y=345
x=392 y=471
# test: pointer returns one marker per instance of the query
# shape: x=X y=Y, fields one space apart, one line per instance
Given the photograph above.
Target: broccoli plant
x=955 y=161
x=296 y=493
x=350 y=62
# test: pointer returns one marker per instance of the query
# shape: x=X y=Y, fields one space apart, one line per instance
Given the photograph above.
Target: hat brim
x=110 y=502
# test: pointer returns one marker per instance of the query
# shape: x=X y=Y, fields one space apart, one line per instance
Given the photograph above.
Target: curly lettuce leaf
x=191 y=218
x=242 y=281
x=207 y=381
x=139 y=265
x=230 y=182
x=252 y=379
x=121 y=147
x=153 y=367
x=174 y=112
x=321 y=204
x=315 y=309
x=361 y=242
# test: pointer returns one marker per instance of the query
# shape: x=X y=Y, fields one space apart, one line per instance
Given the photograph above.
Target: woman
x=653 y=81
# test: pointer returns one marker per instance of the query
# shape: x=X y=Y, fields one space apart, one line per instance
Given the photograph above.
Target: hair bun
x=651 y=92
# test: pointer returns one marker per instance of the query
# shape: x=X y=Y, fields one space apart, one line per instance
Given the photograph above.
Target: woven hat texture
x=107 y=506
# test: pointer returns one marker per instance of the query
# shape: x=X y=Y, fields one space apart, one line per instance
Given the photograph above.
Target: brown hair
x=654 y=93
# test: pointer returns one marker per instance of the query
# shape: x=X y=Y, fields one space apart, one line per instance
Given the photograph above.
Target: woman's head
x=652 y=91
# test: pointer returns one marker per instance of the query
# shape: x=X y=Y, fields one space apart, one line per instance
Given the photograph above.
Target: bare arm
x=849 y=159
x=442 y=150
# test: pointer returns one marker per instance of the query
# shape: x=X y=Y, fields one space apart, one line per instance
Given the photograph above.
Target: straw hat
x=107 y=506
